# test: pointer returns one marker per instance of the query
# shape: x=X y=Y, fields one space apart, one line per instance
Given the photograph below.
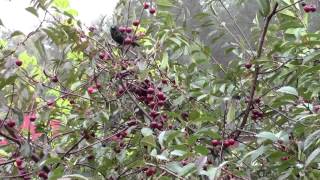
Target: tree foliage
x=199 y=98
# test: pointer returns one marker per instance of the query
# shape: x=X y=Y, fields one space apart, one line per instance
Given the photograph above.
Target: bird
x=121 y=37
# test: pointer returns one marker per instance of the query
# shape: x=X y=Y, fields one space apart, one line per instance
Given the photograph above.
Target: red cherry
x=18 y=62
x=152 y=104
x=184 y=162
x=285 y=158
x=19 y=161
x=152 y=10
x=104 y=55
x=149 y=97
x=161 y=96
x=226 y=143
x=91 y=90
x=124 y=134
x=150 y=90
x=153 y=125
x=128 y=29
x=98 y=85
x=146 y=5
x=136 y=22
x=50 y=102
x=54 y=79
x=161 y=103
x=33 y=117
x=128 y=40
x=92 y=28
x=231 y=142
x=164 y=81
x=159 y=126
x=248 y=65
x=43 y=175
x=151 y=171
x=154 y=113
x=11 y=123
x=215 y=142
x=122 y=29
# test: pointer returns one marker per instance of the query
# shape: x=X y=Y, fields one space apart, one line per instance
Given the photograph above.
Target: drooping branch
x=257 y=70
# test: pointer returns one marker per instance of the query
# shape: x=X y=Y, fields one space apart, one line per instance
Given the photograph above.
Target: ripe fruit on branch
x=91 y=90
x=19 y=162
x=128 y=29
x=151 y=171
x=92 y=28
x=104 y=55
x=146 y=5
x=54 y=79
x=33 y=117
x=309 y=8
x=248 y=65
x=152 y=10
x=136 y=22
x=18 y=62
x=11 y=123
x=122 y=29
x=150 y=90
x=128 y=40
x=215 y=142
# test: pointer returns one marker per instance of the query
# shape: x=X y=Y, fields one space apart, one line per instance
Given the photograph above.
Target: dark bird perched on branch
x=121 y=37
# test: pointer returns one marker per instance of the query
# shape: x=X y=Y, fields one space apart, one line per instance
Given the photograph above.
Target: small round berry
x=54 y=79
x=19 y=162
x=128 y=40
x=92 y=29
x=184 y=162
x=18 y=62
x=215 y=142
x=150 y=90
x=146 y=5
x=153 y=125
x=231 y=142
x=136 y=22
x=248 y=65
x=122 y=29
x=152 y=10
x=91 y=90
x=285 y=158
x=11 y=123
x=33 y=117
x=128 y=29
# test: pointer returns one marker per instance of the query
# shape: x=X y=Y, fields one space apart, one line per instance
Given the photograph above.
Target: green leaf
x=164 y=3
x=16 y=33
x=288 y=90
x=254 y=154
x=312 y=156
x=75 y=176
x=56 y=173
x=32 y=10
x=311 y=56
x=231 y=111
x=202 y=150
x=267 y=135
x=187 y=169
x=264 y=6
x=63 y=4
x=149 y=141
x=165 y=61
x=310 y=139
x=146 y=131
